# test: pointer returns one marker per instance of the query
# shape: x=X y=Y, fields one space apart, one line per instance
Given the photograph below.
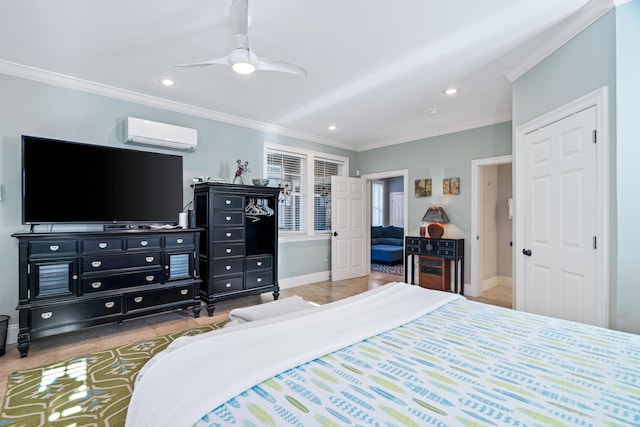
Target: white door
x=560 y=220
x=348 y=235
x=396 y=209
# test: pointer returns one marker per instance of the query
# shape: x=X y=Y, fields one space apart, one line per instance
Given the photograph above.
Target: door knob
x=335 y=234
x=526 y=252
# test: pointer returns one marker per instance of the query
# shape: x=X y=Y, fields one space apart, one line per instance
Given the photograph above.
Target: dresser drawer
x=53 y=247
x=102 y=245
x=106 y=283
x=221 y=218
x=262 y=262
x=231 y=284
x=134 y=243
x=102 y=263
x=228 y=266
x=261 y=278
x=140 y=300
x=228 y=202
x=413 y=241
x=222 y=250
x=53 y=316
x=228 y=234
x=179 y=240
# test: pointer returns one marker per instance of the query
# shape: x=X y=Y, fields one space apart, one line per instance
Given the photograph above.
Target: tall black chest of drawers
x=72 y=280
x=239 y=246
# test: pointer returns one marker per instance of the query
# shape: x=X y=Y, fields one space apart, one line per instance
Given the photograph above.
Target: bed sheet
x=465 y=363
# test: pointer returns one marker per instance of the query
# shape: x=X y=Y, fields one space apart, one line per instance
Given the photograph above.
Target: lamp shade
x=435 y=214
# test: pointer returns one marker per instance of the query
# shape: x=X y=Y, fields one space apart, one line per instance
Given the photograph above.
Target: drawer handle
x=149 y=259
x=150 y=278
x=179 y=240
x=96 y=264
x=46 y=315
x=228 y=202
x=74 y=277
x=228 y=218
x=109 y=304
x=137 y=299
x=259 y=263
x=228 y=250
x=102 y=245
x=228 y=234
x=259 y=279
x=144 y=243
x=228 y=267
x=96 y=285
x=184 y=291
x=54 y=248
x=227 y=285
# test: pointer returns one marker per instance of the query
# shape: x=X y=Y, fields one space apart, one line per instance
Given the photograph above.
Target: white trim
x=12 y=334
x=306 y=279
x=600 y=99
x=474 y=289
x=69 y=82
x=565 y=31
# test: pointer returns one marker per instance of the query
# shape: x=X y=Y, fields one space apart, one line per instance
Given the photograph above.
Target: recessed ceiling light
x=434 y=111
x=451 y=91
x=332 y=127
x=167 y=81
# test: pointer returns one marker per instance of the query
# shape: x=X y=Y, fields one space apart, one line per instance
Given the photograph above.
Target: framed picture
x=422 y=187
x=454 y=185
x=446 y=186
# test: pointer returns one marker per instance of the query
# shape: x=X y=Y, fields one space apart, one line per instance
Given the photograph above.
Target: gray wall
x=445 y=156
x=604 y=54
x=39 y=109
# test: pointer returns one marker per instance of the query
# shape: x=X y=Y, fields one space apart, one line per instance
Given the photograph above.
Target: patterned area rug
x=89 y=390
x=397 y=269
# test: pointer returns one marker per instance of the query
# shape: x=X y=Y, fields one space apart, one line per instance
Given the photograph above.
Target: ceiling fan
x=242 y=59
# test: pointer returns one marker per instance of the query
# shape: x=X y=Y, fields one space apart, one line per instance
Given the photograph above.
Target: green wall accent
x=445 y=156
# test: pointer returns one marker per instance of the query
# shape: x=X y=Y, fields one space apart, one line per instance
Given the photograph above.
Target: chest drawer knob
x=259 y=263
x=228 y=218
x=184 y=291
x=228 y=267
x=149 y=259
x=109 y=304
x=228 y=234
x=259 y=279
x=54 y=248
x=179 y=241
x=144 y=243
x=74 y=277
x=102 y=245
x=228 y=202
x=96 y=264
x=46 y=315
x=227 y=285
x=96 y=285
x=137 y=299
x=228 y=250
x=150 y=278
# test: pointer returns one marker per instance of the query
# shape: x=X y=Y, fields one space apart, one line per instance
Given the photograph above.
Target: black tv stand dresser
x=72 y=280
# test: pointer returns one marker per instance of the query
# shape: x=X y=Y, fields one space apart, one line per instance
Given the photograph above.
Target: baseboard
x=489 y=283
x=292 y=282
x=505 y=281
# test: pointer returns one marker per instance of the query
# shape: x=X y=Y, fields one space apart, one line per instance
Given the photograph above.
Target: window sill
x=303 y=238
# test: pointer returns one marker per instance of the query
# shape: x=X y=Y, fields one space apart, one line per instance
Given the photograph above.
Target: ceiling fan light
x=243 y=67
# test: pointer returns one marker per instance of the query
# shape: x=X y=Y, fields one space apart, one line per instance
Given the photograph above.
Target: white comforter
x=196 y=374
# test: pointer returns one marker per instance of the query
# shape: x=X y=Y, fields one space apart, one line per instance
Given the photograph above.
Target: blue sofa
x=387 y=244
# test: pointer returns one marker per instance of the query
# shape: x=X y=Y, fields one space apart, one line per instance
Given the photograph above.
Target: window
x=377 y=202
x=305 y=178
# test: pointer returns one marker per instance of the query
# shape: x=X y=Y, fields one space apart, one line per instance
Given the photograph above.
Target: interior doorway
x=492 y=229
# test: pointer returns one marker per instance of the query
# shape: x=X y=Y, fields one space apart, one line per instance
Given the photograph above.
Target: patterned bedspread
x=464 y=364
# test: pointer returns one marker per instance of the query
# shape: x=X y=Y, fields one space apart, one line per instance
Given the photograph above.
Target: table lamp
x=436 y=217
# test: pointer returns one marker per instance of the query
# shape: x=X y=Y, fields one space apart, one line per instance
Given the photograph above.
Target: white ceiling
x=375 y=67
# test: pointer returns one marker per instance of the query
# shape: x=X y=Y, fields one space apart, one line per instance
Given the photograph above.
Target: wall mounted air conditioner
x=146 y=132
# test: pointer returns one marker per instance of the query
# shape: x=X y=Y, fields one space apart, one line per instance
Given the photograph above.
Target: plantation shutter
x=286 y=170
x=323 y=170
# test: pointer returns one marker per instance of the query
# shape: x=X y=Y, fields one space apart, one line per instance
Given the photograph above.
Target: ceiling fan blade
x=222 y=61
x=239 y=17
x=267 y=64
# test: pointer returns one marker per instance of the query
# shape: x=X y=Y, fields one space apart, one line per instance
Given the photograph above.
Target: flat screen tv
x=70 y=182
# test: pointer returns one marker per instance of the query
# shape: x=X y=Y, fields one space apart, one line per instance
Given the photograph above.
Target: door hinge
x=595 y=243
x=595 y=136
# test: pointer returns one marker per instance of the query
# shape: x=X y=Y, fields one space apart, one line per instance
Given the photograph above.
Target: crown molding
x=69 y=82
x=582 y=19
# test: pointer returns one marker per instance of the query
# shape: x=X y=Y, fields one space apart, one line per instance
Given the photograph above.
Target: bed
x=396 y=355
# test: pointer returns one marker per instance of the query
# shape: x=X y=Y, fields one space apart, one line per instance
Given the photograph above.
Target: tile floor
x=61 y=347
